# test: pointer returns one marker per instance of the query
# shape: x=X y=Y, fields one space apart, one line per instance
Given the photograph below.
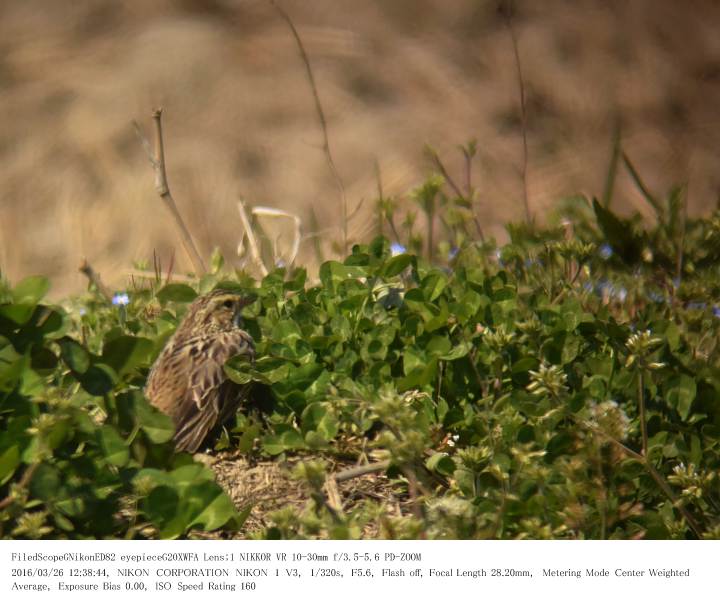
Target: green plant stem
x=654 y=474
x=601 y=500
x=642 y=187
x=21 y=484
x=643 y=419
x=441 y=367
x=612 y=167
x=569 y=285
x=430 y=221
x=681 y=242
x=496 y=530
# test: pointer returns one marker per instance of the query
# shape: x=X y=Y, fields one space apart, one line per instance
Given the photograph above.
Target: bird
x=187 y=381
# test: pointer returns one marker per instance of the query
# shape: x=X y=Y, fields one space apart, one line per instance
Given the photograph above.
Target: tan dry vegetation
x=393 y=76
x=267 y=486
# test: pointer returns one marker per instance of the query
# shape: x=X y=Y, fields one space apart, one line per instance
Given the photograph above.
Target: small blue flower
x=696 y=306
x=396 y=249
x=280 y=263
x=452 y=254
x=605 y=251
x=121 y=299
x=82 y=312
x=676 y=282
x=621 y=294
x=604 y=288
x=656 y=297
x=716 y=311
x=587 y=286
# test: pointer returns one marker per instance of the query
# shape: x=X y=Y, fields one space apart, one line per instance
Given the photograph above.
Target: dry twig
x=334 y=499
x=523 y=113
x=151 y=276
x=94 y=278
x=157 y=160
x=321 y=119
x=351 y=473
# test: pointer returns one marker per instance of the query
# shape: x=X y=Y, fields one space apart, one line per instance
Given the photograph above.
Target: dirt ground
x=392 y=75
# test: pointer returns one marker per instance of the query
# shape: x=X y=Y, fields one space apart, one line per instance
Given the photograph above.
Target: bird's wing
x=195 y=375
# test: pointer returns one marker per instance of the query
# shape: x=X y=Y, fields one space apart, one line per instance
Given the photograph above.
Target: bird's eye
x=228 y=304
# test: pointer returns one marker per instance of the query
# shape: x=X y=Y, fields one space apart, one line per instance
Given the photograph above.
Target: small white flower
x=679 y=469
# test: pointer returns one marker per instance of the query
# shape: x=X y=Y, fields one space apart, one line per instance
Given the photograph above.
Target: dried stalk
x=297 y=227
x=523 y=115
x=252 y=242
x=94 y=279
x=321 y=119
x=157 y=160
x=351 y=473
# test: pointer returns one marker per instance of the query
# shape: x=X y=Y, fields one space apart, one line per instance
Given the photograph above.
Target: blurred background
x=393 y=76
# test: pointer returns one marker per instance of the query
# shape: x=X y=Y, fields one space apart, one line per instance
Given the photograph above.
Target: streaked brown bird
x=188 y=382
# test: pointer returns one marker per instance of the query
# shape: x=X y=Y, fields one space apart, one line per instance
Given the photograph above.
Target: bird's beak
x=244 y=301
x=248 y=298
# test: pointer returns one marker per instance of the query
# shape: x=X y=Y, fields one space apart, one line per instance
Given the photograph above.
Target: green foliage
x=566 y=385
x=82 y=454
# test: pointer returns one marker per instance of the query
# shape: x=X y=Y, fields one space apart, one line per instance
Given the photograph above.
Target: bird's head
x=220 y=310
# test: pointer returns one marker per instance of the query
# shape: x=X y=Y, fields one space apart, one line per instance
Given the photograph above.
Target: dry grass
x=240 y=121
x=267 y=486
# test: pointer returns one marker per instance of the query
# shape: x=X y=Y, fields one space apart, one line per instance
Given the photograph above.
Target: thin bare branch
x=151 y=276
x=453 y=185
x=351 y=473
x=170 y=268
x=94 y=279
x=334 y=499
x=441 y=168
x=157 y=160
x=321 y=119
x=683 y=230
x=357 y=209
x=523 y=115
